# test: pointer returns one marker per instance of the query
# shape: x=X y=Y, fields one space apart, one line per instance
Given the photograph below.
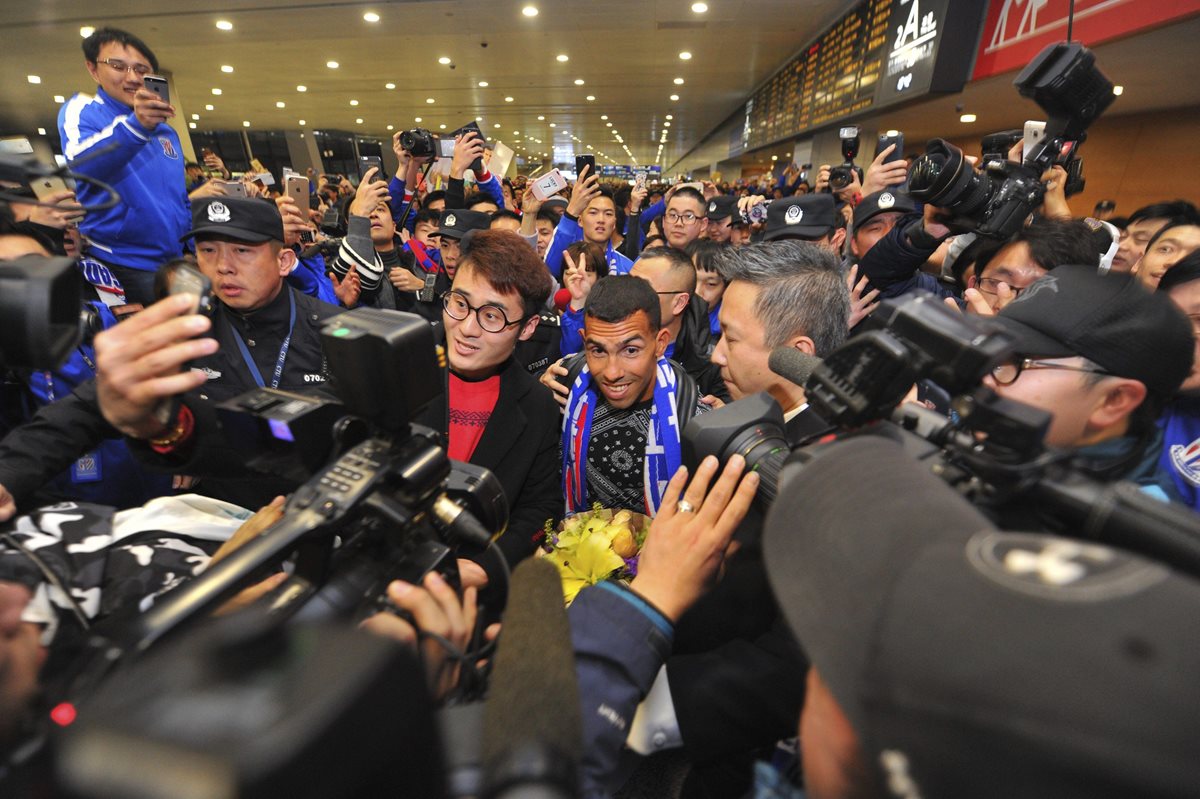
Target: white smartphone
x=548 y=185
x=1035 y=131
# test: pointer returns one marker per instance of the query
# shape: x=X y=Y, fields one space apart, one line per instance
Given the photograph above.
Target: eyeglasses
x=1007 y=373
x=687 y=217
x=490 y=317
x=990 y=285
x=141 y=70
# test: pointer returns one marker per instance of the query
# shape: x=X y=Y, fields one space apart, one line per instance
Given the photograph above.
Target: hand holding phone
x=189 y=280
x=366 y=162
x=150 y=109
x=584 y=160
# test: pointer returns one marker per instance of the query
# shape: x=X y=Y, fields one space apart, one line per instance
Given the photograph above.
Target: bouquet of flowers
x=594 y=546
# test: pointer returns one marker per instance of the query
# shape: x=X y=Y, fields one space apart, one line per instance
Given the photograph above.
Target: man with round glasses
x=496 y=414
x=122 y=138
x=1101 y=354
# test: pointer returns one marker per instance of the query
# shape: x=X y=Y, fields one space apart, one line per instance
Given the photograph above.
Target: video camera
x=1066 y=83
x=40 y=321
x=990 y=449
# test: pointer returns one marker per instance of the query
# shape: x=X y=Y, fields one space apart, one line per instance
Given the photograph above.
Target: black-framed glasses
x=141 y=70
x=990 y=285
x=490 y=317
x=687 y=217
x=1007 y=373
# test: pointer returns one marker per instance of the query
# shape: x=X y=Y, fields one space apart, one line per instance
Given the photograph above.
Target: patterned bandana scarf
x=663 y=456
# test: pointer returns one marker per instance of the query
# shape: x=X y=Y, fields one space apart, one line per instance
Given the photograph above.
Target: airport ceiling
x=505 y=64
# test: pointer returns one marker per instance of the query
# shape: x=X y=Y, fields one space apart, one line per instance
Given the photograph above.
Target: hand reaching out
x=861 y=306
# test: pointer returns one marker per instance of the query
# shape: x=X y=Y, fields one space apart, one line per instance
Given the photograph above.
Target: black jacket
x=519 y=445
x=694 y=346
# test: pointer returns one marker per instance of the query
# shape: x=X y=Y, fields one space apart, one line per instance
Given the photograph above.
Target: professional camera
x=419 y=143
x=40 y=321
x=842 y=176
x=1066 y=83
x=995 y=147
x=756 y=214
x=990 y=449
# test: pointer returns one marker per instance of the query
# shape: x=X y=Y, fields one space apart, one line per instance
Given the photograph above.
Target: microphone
x=532 y=723
x=792 y=364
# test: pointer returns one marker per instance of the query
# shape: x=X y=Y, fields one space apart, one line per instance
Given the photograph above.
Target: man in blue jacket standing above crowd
x=121 y=137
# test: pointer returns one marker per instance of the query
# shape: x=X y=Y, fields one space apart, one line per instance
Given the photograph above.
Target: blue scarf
x=663 y=454
x=1181 y=450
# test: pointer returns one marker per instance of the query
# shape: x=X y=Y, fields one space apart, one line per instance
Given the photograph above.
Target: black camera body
x=995 y=201
x=842 y=176
x=419 y=143
x=40 y=317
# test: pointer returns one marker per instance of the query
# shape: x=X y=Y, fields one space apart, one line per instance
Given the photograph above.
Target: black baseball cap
x=721 y=206
x=239 y=218
x=978 y=663
x=456 y=222
x=1111 y=320
x=808 y=216
x=882 y=202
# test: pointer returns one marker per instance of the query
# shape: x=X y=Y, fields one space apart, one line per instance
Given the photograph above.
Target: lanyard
x=49 y=376
x=283 y=348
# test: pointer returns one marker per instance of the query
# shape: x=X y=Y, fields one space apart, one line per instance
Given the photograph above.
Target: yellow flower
x=588 y=563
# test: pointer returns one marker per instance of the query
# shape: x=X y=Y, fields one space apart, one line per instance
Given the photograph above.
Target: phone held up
x=189 y=280
x=585 y=160
x=157 y=85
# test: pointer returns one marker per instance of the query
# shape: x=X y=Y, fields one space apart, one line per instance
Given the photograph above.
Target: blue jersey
x=102 y=139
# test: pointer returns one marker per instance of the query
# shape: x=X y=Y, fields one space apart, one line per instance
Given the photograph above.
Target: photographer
x=369 y=250
x=469 y=148
x=144 y=164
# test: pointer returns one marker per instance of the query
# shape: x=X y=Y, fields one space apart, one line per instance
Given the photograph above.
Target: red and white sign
x=1016 y=30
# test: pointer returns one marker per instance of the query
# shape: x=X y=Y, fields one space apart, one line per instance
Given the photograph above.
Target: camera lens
x=840 y=177
x=942 y=177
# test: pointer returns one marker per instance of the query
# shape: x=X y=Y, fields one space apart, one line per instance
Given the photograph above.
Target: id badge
x=87 y=469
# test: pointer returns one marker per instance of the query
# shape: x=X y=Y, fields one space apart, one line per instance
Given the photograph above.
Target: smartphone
x=639 y=180
x=43 y=187
x=473 y=127
x=297 y=189
x=585 y=160
x=896 y=154
x=189 y=280
x=548 y=185
x=234 y=188
x=158 y=85
x=365 y=162
x=1035 y=131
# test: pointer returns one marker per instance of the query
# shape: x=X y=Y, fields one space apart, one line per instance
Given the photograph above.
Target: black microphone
x=792 y=364
x=532 y=723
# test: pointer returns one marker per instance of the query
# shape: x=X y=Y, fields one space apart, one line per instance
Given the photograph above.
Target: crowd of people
x=869 y=634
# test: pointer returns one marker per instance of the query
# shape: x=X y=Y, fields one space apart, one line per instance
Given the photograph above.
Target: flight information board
x=879 y=53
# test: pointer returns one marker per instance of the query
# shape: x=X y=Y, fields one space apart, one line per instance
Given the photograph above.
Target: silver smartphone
x=158 y=85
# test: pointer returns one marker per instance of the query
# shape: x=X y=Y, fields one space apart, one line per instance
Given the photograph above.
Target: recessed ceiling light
x=1118 y=90
x=562 y=57
x=579 y=81
x=443 y=60
x=429 y=100
x=483 y=84
x=226 y=68
x=246 y=123
x=608 y=124
x=418 y=119
x=478 y=119
x=332 y=64
x=301 y=88
x=302 y=122
x=33 y=79
x=217 y=92
x=968 y=118
x=441 y=127
x=553 y=125
x=391 y=127
x=496 y=125
x=58 y=98
x=86 y=31
x=666 y=124
x=685 y=56
x=516 y=133
x=530 y=11
x=774 y=158
x=195 y=116
x=591 y=97
x=280 y=104
x=389 y=85
x=699 y=8
x=224 y=24
x=354 y=102
x=541 y=119
x=508 y=99
x=674 y=97
x=603 y=116
x=679 y=81
x=371 y=16
x=358 y=121
x=670 y=117
x=208 y=108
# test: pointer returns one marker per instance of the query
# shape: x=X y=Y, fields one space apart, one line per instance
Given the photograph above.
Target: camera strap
x=283 y=348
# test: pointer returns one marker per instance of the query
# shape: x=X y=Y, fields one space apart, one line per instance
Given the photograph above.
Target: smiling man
x=623 y=415
x=122 y=138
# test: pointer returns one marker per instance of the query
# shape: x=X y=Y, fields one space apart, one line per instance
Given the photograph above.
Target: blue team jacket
x=567 y=233
x=144 y=166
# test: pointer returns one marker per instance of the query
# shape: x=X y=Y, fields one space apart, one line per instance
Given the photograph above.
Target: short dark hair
x=548 y=215
x=679 y=262
x=504 y=213
x=618 y=297
x=102 y=36
x=690 y=193
x=506 y=260
x=594 y=254
x=1054 y=242
x=427 y=215
x=801 y=290
x=1179 y=221
x=1164 y=210
x=704 y=253
x=478 y=197
x=1185 y=270
x=433 y=197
